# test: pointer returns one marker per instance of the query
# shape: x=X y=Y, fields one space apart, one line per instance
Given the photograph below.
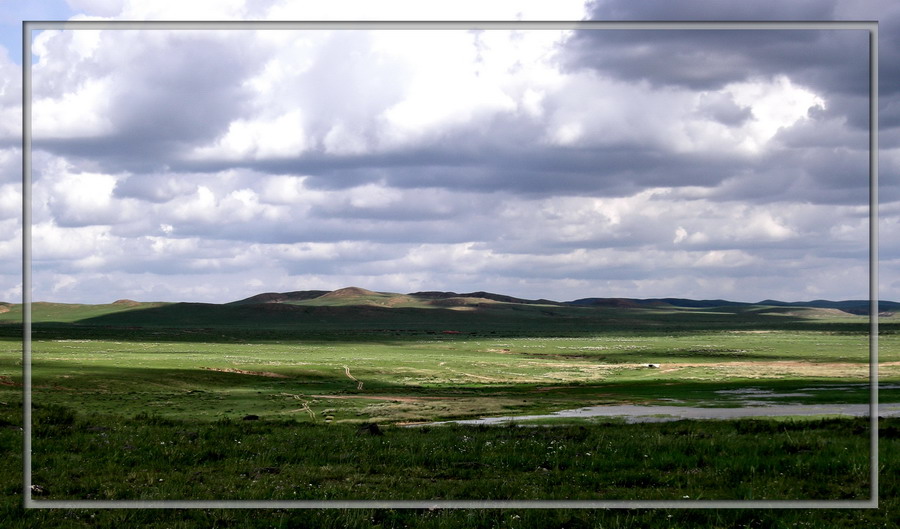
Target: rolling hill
x=361 y=296
x=355 y=310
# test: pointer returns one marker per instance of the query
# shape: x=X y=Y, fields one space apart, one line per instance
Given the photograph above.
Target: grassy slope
x=386 y=313
x=71 y=312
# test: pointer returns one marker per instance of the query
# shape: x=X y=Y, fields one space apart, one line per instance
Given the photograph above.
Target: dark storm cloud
x=811 y=175
x=705 y=60
x=832 y=60
x=724 y=110
x=518 y=168
x=829 y=62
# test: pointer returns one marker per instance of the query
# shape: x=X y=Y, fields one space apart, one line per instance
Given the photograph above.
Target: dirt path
x=304 y=403
x=395 y=398
x=307 y=409
x=359 y=384
x=245 y=372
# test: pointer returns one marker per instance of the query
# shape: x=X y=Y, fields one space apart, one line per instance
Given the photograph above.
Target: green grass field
x=140 y=401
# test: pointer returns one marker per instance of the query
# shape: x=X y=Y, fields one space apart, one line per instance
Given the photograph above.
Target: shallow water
x=634 y=413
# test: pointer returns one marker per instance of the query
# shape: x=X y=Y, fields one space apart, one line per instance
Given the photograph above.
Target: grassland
x=138 y=401
x=438 y=377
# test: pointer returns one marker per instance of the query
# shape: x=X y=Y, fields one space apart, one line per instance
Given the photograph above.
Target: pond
x=633 y=413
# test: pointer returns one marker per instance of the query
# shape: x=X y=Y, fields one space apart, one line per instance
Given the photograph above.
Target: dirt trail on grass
x=381 y=397
x=359 y=384
x=774 y=369
x=245 y=372
x=7 y=381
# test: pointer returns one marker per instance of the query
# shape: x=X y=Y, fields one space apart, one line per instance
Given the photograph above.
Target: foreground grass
x=148 y=457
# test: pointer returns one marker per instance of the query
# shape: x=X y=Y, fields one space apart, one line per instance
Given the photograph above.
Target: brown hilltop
x=349 y=292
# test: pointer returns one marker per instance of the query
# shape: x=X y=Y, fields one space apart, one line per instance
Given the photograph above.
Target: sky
x=210 y=166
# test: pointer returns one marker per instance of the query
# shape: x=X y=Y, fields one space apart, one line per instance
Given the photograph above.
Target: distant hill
x=352 y=292
x=856 y=306
x=665 y=302
x=362 y=296
x=276 y=297
x=431 y=295
x=354 y=307
x=354 y=310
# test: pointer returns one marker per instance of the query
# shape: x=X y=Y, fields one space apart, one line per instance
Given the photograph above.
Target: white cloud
x=10 y=99
x=763 y=225
x=289 y=190
x=54 y=243
x=10 y=244
x=595 y=111
x=11 y=165
x=102 y=8
x=201 y=206
x=343 y=138
x=10 y=201
x=455 y=82
x=178 y=10
x=83 y=112
x=341 y=252
x=351 y=92
x=166 y=247
x=775 y=104
x=724 y=258
x=12 y=294
x=259 y=139
x=84 y=197
x=417 y=10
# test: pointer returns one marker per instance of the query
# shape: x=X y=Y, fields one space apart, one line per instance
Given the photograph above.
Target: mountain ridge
x=350 y=296
x=445 y=298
